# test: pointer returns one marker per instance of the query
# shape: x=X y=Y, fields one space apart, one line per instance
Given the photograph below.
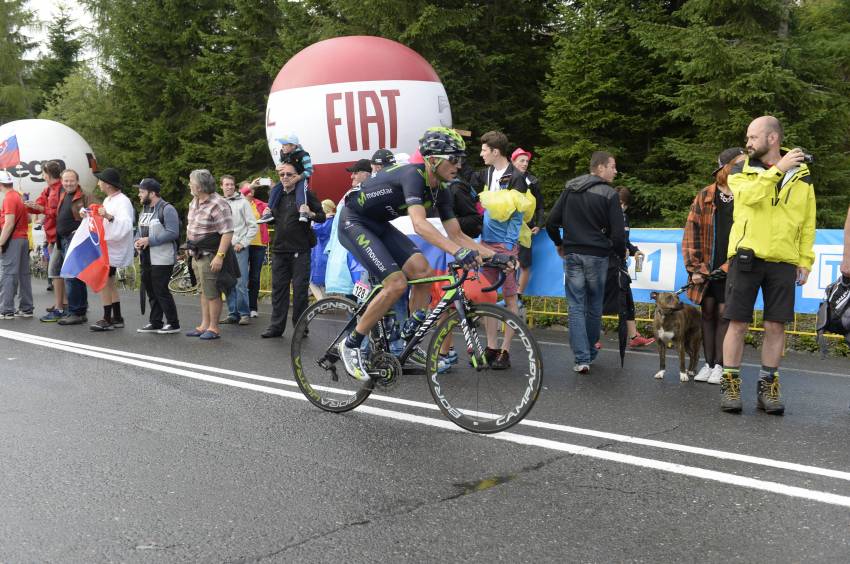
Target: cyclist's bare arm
x=457 y=235
x=428 y=232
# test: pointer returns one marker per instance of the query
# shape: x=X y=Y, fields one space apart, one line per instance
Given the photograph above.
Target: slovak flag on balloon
x=87 y=258
x=10 y=155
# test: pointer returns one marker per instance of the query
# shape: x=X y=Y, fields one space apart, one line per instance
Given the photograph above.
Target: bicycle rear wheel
x=319 y=372
x=181 y=282
x=485 y=400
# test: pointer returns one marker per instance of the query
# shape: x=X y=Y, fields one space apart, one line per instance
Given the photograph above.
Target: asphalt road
x=150 y=448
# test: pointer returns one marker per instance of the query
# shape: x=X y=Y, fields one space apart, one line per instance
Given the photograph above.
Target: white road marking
x=701 y=473
x=712 y=453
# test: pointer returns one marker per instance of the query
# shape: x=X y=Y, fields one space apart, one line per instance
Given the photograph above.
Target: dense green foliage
x=663 y=84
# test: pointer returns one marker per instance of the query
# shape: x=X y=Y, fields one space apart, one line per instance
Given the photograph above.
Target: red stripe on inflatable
x=357 y=58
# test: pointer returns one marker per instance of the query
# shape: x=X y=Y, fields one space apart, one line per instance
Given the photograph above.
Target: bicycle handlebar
x=463 y=277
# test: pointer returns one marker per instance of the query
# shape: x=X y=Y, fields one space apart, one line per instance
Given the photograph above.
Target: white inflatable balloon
x=40 y=140
x=345 y=98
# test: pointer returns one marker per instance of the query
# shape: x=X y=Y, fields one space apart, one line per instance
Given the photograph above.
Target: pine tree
x=604 y=92
x=737 y=60
x=16 y=96
x=63 y=49
x=148 y=49
x=231 y=78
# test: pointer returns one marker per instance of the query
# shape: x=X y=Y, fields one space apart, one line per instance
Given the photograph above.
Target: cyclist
x=389 y=255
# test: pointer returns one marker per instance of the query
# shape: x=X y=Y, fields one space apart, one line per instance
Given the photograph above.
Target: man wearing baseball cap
x=360 y=171
x=156 y=243
x=14 y=253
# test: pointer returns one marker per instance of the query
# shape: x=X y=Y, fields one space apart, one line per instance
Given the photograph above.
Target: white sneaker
x=703 y=374
x=716 y=375
x=581 y=368
x=353 y=362
x=254 y=314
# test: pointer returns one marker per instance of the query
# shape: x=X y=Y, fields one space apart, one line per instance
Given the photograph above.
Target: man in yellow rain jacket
x=771 y=247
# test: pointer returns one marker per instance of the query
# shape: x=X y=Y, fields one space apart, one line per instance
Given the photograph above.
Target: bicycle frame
x=451 y=295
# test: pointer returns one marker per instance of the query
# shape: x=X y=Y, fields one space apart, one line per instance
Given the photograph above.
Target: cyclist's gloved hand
x=502 y=260
x=467 y=258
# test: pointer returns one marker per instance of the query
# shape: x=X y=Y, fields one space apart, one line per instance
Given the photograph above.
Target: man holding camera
x=771 y=247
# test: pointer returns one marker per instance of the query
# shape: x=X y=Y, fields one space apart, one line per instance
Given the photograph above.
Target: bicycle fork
x=470 y=335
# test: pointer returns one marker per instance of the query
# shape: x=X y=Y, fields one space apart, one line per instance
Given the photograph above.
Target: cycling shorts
x=378 y=246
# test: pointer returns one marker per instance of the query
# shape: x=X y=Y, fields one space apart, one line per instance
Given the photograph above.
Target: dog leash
x=716 y=274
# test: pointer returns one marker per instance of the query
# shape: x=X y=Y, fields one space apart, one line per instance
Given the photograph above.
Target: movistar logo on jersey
x=363 y=241
x=361 y=198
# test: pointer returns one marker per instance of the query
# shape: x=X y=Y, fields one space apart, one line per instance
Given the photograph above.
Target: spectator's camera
x=808 y=158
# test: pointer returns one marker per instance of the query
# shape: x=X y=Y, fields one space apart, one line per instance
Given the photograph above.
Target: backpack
x=834 y=312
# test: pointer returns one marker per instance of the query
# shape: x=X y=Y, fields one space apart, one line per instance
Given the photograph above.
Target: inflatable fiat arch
x=345 y=98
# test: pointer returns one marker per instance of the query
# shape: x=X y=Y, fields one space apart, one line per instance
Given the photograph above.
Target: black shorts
x=378 y=246
x=777 y=281
x=524 y=257
x=112 y=271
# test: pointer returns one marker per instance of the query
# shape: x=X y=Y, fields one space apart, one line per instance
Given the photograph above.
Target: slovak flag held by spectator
x=87 y=258
x=10 y=155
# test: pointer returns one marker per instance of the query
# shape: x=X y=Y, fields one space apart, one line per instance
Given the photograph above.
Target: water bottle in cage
x=412 y=324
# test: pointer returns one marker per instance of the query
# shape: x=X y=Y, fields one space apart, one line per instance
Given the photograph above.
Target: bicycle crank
x=386 y=370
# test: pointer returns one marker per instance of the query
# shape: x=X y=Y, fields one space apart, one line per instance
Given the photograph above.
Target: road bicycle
x=182 y=278
x=473 y=394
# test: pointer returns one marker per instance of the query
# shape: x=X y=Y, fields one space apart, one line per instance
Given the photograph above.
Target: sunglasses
x=454 y=159
x=287 y=174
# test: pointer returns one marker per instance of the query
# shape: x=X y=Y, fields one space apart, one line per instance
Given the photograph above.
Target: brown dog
x=676 y=324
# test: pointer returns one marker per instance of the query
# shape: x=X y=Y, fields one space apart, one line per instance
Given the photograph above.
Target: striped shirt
x=210 y=216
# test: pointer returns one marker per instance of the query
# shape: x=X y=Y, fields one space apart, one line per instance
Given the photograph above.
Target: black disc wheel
x=319 y=372
x=485 y=393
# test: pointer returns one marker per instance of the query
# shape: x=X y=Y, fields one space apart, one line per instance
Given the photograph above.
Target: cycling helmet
x=442 y=141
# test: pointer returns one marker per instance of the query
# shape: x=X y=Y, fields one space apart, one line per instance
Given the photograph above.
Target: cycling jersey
x=365 y=228
x=387 y=195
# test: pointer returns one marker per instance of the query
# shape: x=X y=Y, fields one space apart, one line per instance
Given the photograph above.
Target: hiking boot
x=352 y=359
x=502 y=361
x=118 y=322
x=102 y=325
x=244 y=320
x=769 y=397
x=229 y=320
x=73 y=319
x=52 y=316
x=640 y=341
x=730 y=390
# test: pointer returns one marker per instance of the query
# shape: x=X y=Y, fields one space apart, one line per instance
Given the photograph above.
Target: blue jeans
x=78 y=296
x=237 y=297
x=585 y=289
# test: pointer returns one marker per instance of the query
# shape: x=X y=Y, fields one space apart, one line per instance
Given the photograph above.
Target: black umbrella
x=142 y=297
x=624 y=284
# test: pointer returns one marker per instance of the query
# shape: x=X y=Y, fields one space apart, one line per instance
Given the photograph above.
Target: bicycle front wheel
x=319 y=372
x=492 y=397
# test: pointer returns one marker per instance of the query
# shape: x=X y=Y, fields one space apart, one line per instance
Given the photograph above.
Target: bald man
x=771 y=248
